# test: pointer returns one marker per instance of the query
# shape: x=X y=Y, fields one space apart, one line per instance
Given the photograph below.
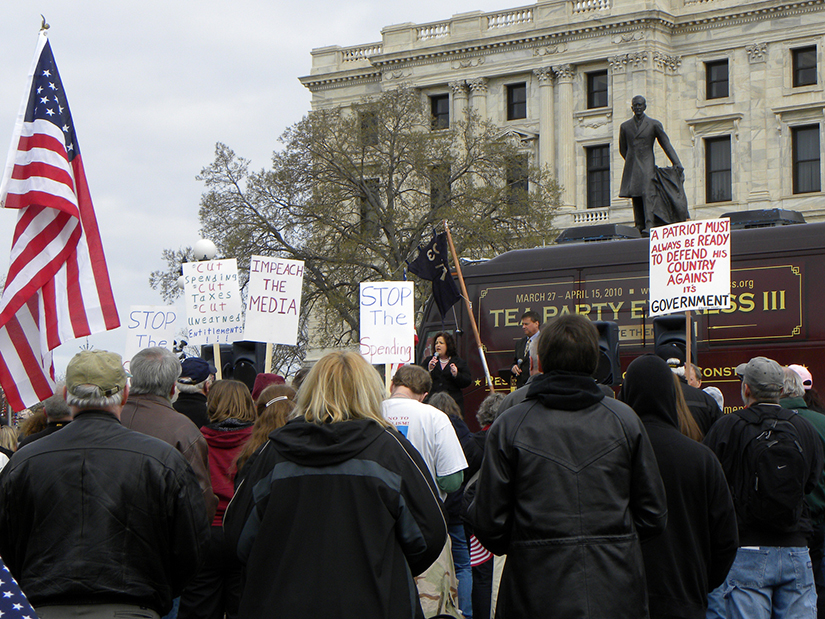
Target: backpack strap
x=747 y=415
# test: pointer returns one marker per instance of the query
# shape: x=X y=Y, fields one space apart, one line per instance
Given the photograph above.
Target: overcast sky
x=153 y=85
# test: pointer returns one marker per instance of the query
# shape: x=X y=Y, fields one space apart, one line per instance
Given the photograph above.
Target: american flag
x=13 y=603
x=57 y=287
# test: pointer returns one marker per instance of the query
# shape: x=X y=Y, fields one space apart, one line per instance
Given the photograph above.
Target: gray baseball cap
x=762 y=372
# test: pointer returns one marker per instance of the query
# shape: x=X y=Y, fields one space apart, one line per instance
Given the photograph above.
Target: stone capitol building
x=737 y=84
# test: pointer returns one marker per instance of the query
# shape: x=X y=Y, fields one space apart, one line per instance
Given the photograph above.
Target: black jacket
x=193 y=405
x=334 y=520
x=522 y=356
x=98 y=514
x=443 y=379
x=724 y=439
x=568 y=486
x=692 y=557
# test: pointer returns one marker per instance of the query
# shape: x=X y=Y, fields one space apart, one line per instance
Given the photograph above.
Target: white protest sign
x=690 y=266
x=149 y=326
x=274 y=300
x=387 y=317
x=213 y=302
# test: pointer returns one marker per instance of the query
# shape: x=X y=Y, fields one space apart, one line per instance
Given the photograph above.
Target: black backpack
x=772 y=487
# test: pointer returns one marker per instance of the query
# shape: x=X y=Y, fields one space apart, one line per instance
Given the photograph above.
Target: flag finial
x=43 y=25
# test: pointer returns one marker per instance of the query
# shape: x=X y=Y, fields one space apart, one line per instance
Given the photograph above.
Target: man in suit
x=636 y=141
x=530 y=323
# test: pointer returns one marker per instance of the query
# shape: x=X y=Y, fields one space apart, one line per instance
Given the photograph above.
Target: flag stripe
x=50 y=314
x=43 y=175
x=21 y=330
x=79 y=322
x=36 y=264
x=96 y=256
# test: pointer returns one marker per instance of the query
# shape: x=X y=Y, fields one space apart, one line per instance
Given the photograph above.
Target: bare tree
x=354 y=192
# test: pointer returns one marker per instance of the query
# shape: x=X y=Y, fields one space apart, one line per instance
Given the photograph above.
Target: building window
x=440 y=185
x=806 y=159
x=517 y=184
x=716 y=78
x=440 y=110
x=597 y=89
x=516 y=101
x=804 y=66
x=717 y=169
x=369 y=206
x=598 y=176
x=368 y=128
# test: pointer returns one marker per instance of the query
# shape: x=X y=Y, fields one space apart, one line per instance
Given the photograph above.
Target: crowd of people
x=167 y=493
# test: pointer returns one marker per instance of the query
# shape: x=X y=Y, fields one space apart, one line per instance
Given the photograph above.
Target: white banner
x=387 y=322
x=214 y=313
x=274 y=300
x=149 y=326
x=690 y=266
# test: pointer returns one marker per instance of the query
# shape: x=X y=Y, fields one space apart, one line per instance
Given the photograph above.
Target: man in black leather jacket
x=97 y=520
x=568 y=487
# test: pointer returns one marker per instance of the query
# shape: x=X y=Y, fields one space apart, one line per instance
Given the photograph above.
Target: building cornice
x=551 y=40
x=333 y=80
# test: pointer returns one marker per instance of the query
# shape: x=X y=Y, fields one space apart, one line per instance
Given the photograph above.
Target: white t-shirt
x=430 y=432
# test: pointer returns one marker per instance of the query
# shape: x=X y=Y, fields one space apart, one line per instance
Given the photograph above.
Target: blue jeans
x=716 y=602
x=463 y=571
x=770 y=582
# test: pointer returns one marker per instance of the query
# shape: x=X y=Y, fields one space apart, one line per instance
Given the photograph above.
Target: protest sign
x=148 y=326
x=387 y=317
x=213 y=302
x=274 y=300
x=690 y=266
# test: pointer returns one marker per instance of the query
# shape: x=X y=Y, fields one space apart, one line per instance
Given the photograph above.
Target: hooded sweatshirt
x=334 y=520
x=692 y=557
x=225 y=439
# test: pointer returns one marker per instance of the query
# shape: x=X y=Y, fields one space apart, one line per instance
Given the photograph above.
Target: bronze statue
x=657 y=193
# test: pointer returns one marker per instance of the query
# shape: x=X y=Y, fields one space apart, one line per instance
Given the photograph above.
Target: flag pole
x=469 y=309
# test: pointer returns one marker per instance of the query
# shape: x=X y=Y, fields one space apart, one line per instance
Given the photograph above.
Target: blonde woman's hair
x=230 y=398
x=342 y=386
x=8 y=438
x=274 y=406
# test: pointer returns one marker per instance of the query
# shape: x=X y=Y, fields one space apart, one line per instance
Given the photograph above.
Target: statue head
x=638 y=105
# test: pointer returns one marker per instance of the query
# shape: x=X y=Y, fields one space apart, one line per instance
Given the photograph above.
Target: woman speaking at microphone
x=449 y=372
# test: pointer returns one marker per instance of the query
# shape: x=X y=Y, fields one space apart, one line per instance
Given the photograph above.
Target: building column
x=459 y=109
x=567 y=145
x=761 y=143
x=547 y=119
x=478 y=87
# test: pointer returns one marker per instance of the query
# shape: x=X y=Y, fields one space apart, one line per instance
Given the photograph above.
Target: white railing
x=362 y=52
x=510 y=18
x=591 y=216
x=687 y=2
x=432 y=31
x=588 y=6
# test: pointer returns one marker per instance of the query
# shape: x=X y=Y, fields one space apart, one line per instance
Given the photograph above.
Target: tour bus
x=777 y=296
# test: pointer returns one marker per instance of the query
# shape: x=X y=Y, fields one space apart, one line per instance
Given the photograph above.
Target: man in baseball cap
x=120 y=512
x=772 y=458
x=196 y=377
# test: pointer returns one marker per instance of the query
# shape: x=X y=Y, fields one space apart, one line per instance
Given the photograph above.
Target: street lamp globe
x=205 y=250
